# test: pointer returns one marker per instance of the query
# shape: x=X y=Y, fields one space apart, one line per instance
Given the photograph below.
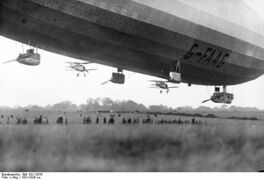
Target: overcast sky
x=49 y=83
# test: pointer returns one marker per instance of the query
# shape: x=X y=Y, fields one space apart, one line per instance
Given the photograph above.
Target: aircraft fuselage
x=80 y=68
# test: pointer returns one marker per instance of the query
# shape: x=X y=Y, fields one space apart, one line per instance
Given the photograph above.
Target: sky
x=50 y=83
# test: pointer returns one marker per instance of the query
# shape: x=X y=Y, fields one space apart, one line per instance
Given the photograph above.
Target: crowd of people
x=148 y=120
x=113 y=119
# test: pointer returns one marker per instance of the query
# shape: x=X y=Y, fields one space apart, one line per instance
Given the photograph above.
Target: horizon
x=78 y=106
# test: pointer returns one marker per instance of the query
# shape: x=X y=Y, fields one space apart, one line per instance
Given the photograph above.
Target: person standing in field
x=60 y=120
x=193 y=121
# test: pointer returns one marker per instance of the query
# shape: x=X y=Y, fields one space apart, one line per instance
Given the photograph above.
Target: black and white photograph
x=131 y=86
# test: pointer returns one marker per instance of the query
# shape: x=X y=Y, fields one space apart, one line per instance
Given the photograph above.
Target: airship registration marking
x=210 y=56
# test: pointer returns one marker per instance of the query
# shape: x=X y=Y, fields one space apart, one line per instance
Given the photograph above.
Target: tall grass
x=212 y=147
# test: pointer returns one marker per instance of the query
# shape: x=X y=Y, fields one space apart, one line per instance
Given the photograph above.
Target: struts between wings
x=79 y=67
x=163 y=85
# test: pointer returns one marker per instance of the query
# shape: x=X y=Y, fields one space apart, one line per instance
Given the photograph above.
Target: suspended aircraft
x=220 y=97
x=162 y=85
x=30 y=58
x=117 y=78
x=217 y=43
x=79 y=67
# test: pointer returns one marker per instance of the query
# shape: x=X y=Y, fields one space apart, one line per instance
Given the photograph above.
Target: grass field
x=219 y=145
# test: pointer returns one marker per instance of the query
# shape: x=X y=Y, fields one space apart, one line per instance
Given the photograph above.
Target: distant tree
x=107 y=102
x=18 y=107
x=91 y=105
x=36 y=107
x=224 y=107
x=215 y=108
x=185 y=108
x=131 y=106
x=48 y=107
x=211 y=116
x=5 y=108
x=203 y=108
x=232 y=108
x=247 y=109
x=159 y=108
x=65 y=105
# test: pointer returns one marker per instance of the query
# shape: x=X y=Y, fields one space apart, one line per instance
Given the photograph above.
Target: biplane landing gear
x=166 y=91
x=78 y=75
x=221 y=97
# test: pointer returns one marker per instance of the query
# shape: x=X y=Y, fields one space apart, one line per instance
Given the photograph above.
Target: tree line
x=107 y=104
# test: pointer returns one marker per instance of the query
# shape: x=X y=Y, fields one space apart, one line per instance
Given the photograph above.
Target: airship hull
x=136 y=37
